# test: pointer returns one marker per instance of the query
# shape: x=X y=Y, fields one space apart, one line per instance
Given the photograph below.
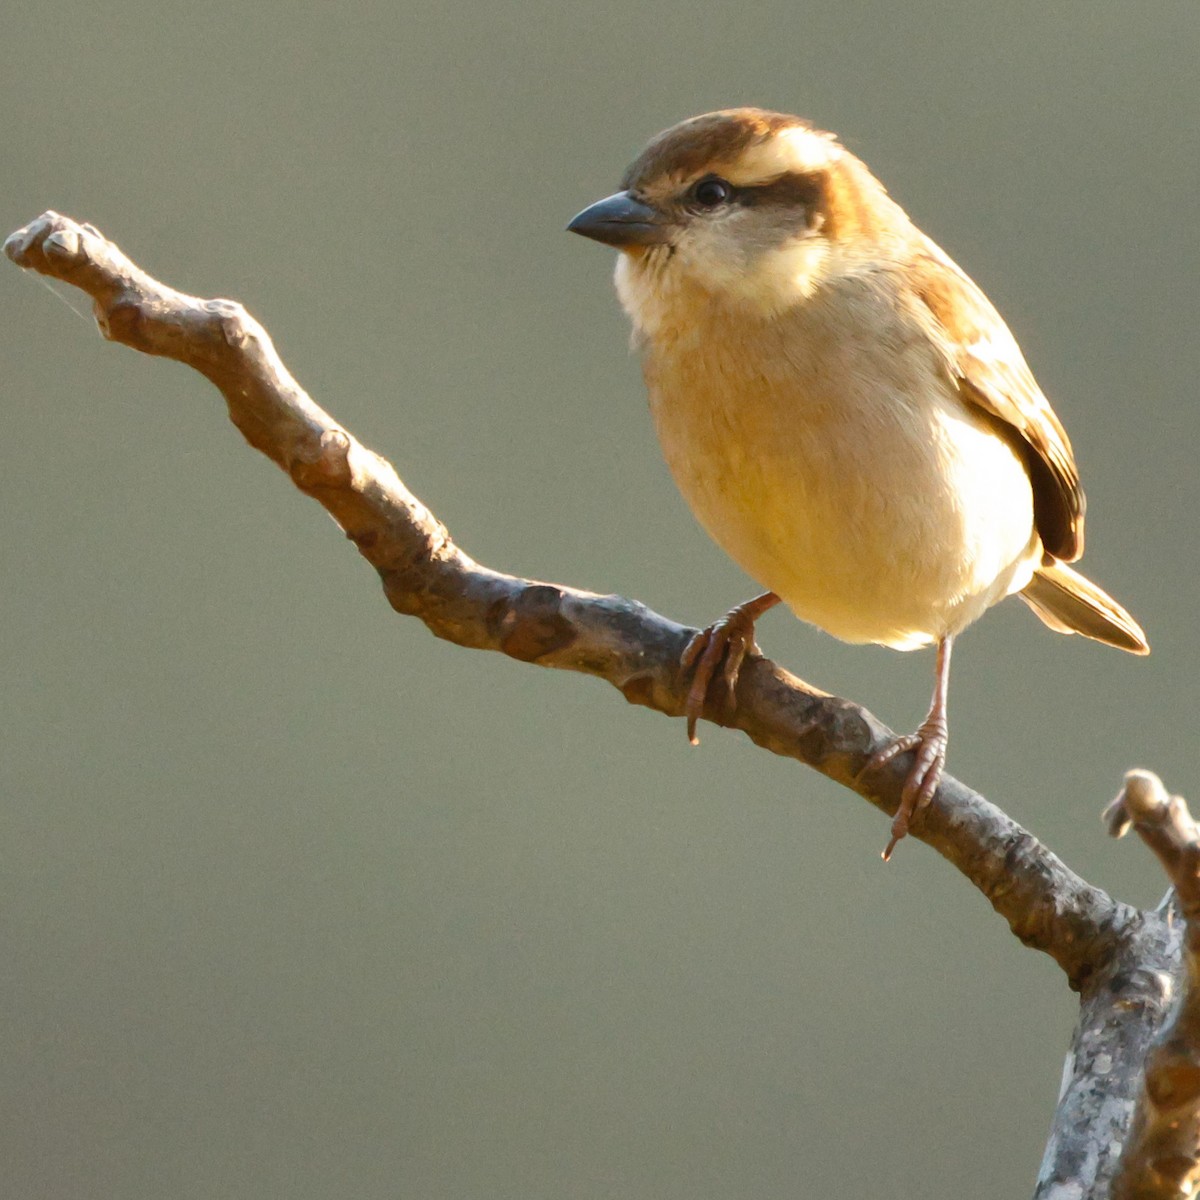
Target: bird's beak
x=621 y=220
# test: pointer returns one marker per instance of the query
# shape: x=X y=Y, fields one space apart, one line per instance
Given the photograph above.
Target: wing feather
x=992 y=375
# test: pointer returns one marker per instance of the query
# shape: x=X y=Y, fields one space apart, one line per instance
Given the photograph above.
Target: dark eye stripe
x=795 y=191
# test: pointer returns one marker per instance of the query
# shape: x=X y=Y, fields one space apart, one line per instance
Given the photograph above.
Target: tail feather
x=1068 y=602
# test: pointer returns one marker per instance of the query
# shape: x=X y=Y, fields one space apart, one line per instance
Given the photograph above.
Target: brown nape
x=692 y=145
x=855 y=202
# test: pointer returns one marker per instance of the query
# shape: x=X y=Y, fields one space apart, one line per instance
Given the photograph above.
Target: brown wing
x=991 y=372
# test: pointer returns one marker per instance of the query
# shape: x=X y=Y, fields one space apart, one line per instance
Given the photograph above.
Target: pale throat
x=666 y=296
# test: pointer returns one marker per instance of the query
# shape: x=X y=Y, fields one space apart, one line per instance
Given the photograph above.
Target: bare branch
x=1122 y=1008
x=1162 y=1152
x=425 y=574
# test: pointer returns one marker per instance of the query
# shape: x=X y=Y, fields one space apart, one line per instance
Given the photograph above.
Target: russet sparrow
x=843 y=409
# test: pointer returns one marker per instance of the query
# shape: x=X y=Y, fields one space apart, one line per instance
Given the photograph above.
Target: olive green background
x=299 y=901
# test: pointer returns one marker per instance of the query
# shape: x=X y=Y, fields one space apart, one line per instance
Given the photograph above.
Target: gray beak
x=621 y=220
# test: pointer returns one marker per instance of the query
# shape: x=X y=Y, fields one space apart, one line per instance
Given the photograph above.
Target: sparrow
x=845 y=412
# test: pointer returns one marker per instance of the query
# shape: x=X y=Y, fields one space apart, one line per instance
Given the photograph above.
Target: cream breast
x=838 y=468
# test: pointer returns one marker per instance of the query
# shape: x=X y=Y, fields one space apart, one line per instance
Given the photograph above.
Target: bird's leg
x=929 y=742
x=717 y=652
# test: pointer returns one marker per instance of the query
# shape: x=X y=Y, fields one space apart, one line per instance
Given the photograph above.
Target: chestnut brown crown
x=710 y=168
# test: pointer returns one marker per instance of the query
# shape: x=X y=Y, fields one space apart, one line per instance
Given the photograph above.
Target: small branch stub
x=1162 y=1153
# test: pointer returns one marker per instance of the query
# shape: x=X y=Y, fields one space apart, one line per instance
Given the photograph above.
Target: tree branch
x=1107 y=949
x=425 y=574
x=1123 y=1006
x=1162 y=1150
x=1125 y=963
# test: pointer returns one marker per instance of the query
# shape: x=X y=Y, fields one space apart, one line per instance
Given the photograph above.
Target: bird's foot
x=716 y=655
x=929 y=742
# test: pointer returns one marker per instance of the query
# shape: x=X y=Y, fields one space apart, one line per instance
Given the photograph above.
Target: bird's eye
x=712 y=192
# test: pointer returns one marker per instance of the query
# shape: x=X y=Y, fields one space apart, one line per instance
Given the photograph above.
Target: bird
x=843 y=409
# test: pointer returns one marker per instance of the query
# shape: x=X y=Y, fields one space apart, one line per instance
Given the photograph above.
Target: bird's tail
x=1068 y=602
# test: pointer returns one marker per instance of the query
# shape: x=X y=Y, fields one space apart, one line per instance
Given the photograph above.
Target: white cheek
x=668 y=293
x=765 y=280
x=793 y=271
x=712 y=257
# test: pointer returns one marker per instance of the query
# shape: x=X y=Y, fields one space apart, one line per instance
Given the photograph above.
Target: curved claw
x=929 y=742
x=716 y=655
x=723 y=646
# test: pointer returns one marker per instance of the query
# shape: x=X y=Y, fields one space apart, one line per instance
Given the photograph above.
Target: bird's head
x=742 y=209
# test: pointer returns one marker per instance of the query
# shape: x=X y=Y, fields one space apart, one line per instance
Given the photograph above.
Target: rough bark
x=1121 y=960
x=1162 y=1150
x=1122 y=1008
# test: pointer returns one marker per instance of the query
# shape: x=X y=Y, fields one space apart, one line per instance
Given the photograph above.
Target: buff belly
x=893 y=514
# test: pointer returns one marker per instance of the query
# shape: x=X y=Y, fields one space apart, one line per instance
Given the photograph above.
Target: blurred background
x=299 y=901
